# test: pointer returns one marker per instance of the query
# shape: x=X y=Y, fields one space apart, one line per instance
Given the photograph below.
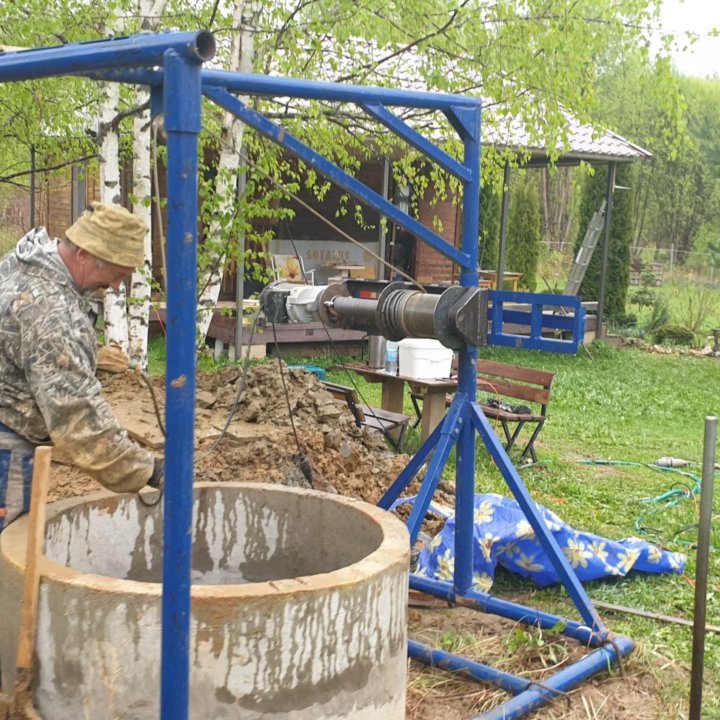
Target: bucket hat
x=111 y=233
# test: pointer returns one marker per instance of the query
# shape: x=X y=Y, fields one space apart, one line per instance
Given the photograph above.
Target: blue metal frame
x=170 y=65
x=566 y=318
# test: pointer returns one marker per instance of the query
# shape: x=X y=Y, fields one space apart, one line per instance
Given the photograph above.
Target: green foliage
x=490 y=207
x=618 y=271
x=677 y=195
x=644 y=297
x=660 y=315
x=674 y=334
x=524 y=231
x=700 y=304
x=8 y=239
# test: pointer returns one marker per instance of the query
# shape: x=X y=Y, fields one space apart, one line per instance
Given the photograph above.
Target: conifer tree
x=524 y=231
x=621 y=227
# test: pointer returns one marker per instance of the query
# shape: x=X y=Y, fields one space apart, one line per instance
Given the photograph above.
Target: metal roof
x=583 y=142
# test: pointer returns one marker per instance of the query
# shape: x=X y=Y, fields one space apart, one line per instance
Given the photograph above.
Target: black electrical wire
x=302 y=457
x=158 y=416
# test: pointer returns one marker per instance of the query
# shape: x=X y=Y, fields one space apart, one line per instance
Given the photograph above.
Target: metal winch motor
x=449 y=314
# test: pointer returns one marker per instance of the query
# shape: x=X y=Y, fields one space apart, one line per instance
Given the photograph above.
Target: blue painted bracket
x=554 y=323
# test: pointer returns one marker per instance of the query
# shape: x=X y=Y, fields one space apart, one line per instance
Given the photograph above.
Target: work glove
x=158 y=474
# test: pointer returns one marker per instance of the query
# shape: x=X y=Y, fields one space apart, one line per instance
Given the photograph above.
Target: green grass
x=8 y=238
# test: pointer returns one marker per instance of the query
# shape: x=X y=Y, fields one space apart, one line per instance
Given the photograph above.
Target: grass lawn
x=635 y=407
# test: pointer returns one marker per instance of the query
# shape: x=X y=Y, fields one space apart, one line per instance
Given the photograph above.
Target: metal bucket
x=376 y=351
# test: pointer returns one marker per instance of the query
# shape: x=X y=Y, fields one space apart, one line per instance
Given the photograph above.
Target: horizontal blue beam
x=551 y=345
x=319 y=163
x=549 y=321
x=144 y=50
x=268 y=86
x=466 y=668
x=553 y=687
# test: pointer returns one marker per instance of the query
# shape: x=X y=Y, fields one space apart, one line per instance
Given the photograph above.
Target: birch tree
x=231 y=138
x=139 y=304
x=115 y=302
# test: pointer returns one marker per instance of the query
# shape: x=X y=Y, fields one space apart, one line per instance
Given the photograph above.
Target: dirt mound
x=259 y=444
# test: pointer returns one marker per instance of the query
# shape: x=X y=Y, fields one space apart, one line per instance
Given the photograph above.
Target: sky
x=698 y=16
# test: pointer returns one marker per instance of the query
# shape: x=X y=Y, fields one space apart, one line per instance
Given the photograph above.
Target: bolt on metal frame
x=170 y=63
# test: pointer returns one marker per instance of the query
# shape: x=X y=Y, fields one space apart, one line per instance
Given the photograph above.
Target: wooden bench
x=496 y=382
x=501 y=381
x=391 y=424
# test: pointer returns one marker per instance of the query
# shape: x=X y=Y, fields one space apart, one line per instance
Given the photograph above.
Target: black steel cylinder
x=358 y=313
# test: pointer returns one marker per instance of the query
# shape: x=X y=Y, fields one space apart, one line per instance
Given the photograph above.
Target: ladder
x=582 y=260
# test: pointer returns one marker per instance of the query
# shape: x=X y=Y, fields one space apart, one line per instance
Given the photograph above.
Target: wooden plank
x=516 y=372
x=36 y=537
x=503 y=388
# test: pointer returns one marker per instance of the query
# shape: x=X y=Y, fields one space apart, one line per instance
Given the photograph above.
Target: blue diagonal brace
x=410 y=470
x=556 y=556
x=279 y=135
x=465 y=120
x=450 y=428
x=399 y=127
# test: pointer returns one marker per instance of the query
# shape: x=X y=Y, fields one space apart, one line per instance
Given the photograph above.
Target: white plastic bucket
x=425 y=359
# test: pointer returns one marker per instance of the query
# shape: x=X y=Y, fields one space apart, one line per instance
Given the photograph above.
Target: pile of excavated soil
x=260 y=443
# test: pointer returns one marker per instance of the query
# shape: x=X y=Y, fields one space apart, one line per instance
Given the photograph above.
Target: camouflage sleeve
x=58 y=356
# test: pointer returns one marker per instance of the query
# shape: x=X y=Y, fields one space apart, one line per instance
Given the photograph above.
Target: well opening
x=241 y=534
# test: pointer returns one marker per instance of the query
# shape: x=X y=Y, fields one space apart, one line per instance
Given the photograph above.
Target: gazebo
x=584 y=143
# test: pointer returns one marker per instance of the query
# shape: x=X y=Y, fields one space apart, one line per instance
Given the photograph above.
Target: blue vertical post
x=468 y=121
x=182 y=111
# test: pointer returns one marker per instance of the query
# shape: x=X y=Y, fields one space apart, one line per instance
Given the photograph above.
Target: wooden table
x=512 y=277
x=434 y=393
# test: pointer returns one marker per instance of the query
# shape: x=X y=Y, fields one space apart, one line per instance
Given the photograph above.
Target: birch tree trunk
x=241 y=59
x=115 y=303
x=139 y=305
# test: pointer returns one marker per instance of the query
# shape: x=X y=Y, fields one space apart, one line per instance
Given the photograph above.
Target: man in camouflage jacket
x=48 y=389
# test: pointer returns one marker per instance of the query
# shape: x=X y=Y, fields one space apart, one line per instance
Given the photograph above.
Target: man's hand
x=158 y=474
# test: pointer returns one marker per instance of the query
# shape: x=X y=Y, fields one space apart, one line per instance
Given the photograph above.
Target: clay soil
x=261 y=445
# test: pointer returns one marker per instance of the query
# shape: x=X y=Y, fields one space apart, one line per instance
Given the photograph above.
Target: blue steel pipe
x=467 y=123
x=466 y=668
x=144 y=50
x=510 y=610
x=537 y=696
x=346 y=181
x=451 y=427
x=547 y=540
x=182 y=125
x=265 y=85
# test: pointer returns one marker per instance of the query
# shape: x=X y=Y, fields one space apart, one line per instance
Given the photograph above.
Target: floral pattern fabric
x=503 y=536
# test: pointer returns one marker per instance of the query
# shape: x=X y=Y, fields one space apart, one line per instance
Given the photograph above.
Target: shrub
x=701 y=303
x=660 y=315
x=674 y=334
x=644 y=297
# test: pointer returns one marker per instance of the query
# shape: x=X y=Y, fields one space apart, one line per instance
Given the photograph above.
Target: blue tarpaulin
x=503 y=536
